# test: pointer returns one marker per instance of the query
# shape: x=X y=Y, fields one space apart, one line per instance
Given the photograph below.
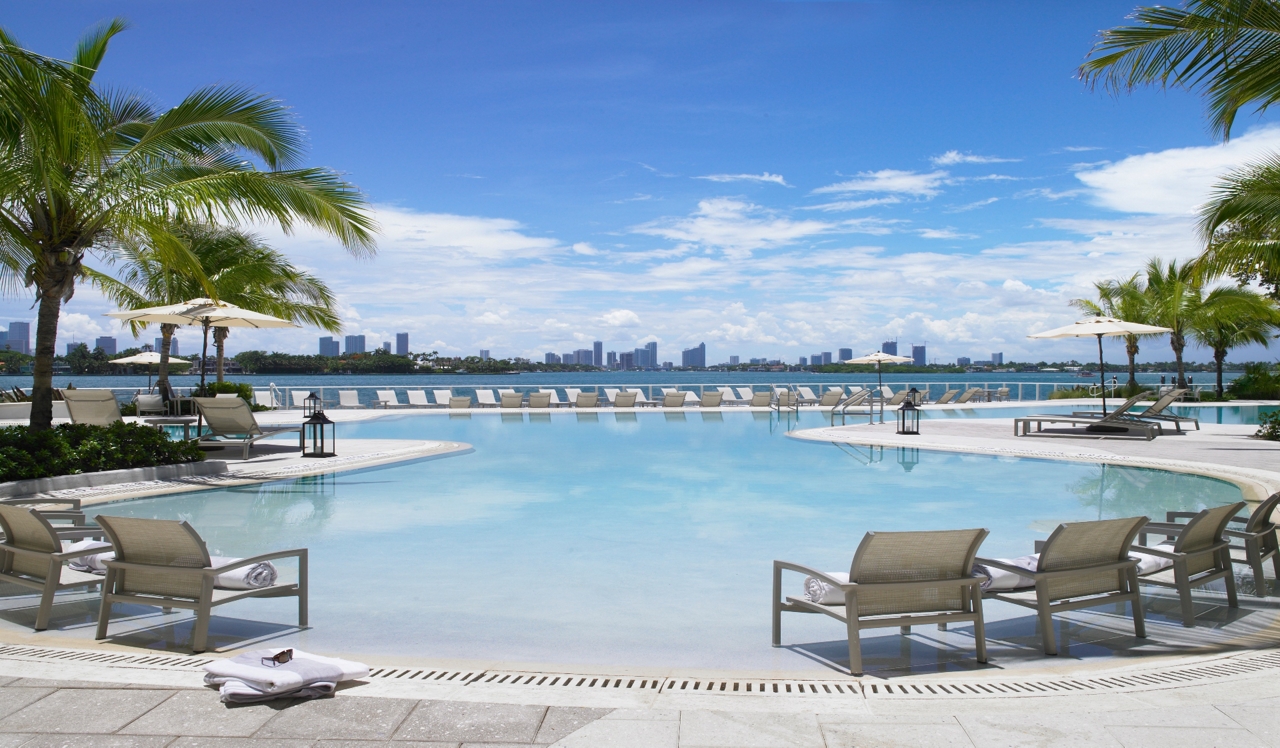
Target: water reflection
x=1112 y=491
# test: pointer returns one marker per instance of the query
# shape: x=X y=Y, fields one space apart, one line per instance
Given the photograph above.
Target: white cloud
x=843 y=205
x=477 y=236
x=584 y=248
x=765 y=177
x=735 y=226
x=890 y=180
x=974 y=205
x=1048 y=194
x=639 y=197
x=1081 y=148
x=1178 y=180
x=956 y=157
x=621 y=318
x=943 y=234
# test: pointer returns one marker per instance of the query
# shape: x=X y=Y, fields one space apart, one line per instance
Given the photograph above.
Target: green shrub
x=1074 y=392
x=1257 y=383
x=241 y=389
x=70 y=449
x=1269 y=427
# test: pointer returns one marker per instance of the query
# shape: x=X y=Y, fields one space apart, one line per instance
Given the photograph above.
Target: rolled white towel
x=999 y=580
x=95 y=564
x=1149 y=564
x=245 y=678
x=823 y=593
x=262 y=574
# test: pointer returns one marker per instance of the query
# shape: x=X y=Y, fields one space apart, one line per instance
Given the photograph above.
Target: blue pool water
x=629 y=539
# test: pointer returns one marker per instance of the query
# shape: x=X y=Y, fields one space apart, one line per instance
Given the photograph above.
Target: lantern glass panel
x=319 y=436
x=312 y=404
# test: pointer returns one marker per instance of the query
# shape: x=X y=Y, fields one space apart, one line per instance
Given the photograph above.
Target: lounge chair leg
x=904 y=630
x=46 y=606
x=1184 y=594
x=979 y=627
x=942 y=626
x=1232 y=600
x=1275 y=564
x=1135 y=604
x=200 y=632
x=303 y=589
x=1259 y=576
x=1045 y=616
x=777 y=607
x=104 y=610
x=855 y=639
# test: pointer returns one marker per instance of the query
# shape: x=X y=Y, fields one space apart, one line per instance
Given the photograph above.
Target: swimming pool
x=624 y=538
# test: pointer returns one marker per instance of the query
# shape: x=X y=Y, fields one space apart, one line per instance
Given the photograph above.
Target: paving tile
x=63 y=683
x=1184 y=737
x=669 y=715
x=98 y=741
x=1261 y=720
x=201 y=713
x=388 y=744
x=565 y=720
x=624 y=733
x=85 y=711
x=708 y=729
x=13 y=699
x=351 y=718
x=893 y=736
x=472 y=722
x=239 y=743
x=13 y=739
x=1027 y=731
x=7 y=679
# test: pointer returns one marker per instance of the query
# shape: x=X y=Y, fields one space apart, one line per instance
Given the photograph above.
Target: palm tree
x=1122 y=299
x=1240 y=225
x=1231 y=317
x=1174 y=297
x=239 y=268
x=1227 y=49
x=84 y=170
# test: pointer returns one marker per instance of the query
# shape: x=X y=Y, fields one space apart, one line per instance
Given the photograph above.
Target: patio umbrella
x=148 y=358
x=204 y=312
x=879 y=358
x=1101 y=327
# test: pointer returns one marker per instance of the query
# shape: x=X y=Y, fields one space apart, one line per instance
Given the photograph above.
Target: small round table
x=186 y=422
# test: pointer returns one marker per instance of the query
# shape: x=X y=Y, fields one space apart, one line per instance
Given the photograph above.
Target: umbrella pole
x=1102 y=376
x=204 y=354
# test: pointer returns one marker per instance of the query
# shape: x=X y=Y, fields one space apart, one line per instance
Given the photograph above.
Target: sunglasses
x=279 y=658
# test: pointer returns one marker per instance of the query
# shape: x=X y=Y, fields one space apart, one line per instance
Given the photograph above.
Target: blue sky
x=772 y=178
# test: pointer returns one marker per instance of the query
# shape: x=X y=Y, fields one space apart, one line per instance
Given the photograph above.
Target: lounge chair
x=571 y=396
x=511 y=400
x=586 y=400
x=388 y=399
x=1198 y=555
x=540 y=399
x=673 y=400
x=265 y=398
x=1002 y=394
x=1155 y=411
x=1115 y=423
x=711 y=399
x=232 y=422
x=486 y=399
x=761 y=399
x=418 y=399
x=625 y=400
x=690 y=397
x=747 y=395
x=728 y=398
x=348 y=399
x=1257 y=534
x=896 y=579
x=806 y=396
x=946 y=397
x=897 y=398
x=968 y=395
x=786 y=398
x=299 y=397
x=150 y=404
x=642 y=401
x=1081 y=565
x=92 y=407
x=611 y=394
x=460 y=402
x=164 y=563
x=31 y=556
x=831 y=398
x=555 y=398
x=443 y=398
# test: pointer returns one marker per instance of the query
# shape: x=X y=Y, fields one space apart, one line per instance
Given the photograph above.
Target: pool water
x=627 y=539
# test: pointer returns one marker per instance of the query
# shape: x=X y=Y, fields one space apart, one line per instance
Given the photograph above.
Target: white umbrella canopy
x=146 y=357
x=1100 y=327
x=879 y=358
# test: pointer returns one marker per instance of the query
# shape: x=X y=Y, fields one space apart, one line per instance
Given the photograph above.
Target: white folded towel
x=823 y=593
x=262 y=574
x=246 y=678
x=1149 y=564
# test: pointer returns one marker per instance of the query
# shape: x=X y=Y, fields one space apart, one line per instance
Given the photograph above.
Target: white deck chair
x=388 y=399
x=442 y=397
x=641 y=400
x=265 y=399
x=807 y=397
x=728 y=398
x=94 y=407
x=690 y=397
x=745 y=393
x=298 y=397
x=349 y=399
x=485 y=399
x=226 y=394
x=555 y=398
x=418 y=398
x=611 y=394
x=571 y=394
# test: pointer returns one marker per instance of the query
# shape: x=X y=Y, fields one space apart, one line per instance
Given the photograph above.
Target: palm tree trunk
x=220 y=343
x=42 y=371
x=1219 y=354
x=1179 y=343
x=1131 y=348
x=166 y=345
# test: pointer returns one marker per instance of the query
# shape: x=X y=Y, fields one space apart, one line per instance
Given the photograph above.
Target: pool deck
x=56 y=692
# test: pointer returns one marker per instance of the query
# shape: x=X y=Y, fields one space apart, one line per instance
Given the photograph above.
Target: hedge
x=71 y=449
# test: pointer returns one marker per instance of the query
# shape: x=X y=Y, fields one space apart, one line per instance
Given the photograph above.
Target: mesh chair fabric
x=228 y=417
x=889 y=557
x=161 y=543
x=24 y=528
x=94 y=407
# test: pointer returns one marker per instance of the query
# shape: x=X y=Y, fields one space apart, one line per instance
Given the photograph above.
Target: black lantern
x=908 y=418
x=913 y=395
x=319 y=436
x=312 y=404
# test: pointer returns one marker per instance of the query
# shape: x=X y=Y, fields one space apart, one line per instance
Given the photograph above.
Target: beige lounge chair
x=831 y=398
x=690 y=397
x=92 y=407
x=625 y=400
x=31 y=556
x=897 y=398
x=711 y=400
x=164 y=563
x=1199 y=554
x=154 y=404
x=610 y=394
x=1257 y=534
x=1081 y=565
x=539 y=399
x=554 y=399
x=485 y=399
x=1155 y=411
x=946 y=397
x=1116 y=423
x=761 y=399
x=388 y=399
x=673 y=400
x=786 y=398
x=969 y=394
x=511 y=400
x=1002 y=394
x=896 y=579
x=231 y=422
x=586 y=400
x=418 y=399
x=348 y=399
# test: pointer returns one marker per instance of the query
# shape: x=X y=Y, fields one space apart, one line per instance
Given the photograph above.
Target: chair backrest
x=673 y=400
x=668 y=390
x=831 y=398
x=507 y=391
x=417 y=397
x=586 y=400
x=25 y=528
x=761 y=399
x=787 y=398
x=348 y=398
x=539 y=399
x=93 y=407
x=888 y=557
x=227 y=417
x=967 y=396
x=1203 y=530
x=160 y=543
x=462 y=401
x=1078 y=545
x=946 y=397
x=149 y=404
x=859 y=397
x=1124 y=407
x=897 y=398
x=610 y=394
x=727 y=392
x=442 y=396
x=555 y=396
x=711 y=399
x=261 y=397
x=1002 y=392
x=640 y=398
x=299 y=397
x=1165 y=401
x=745 y=393
x=512 y=400
x=625 y=400
x=807 y=393
x=571 y=394
x=388 y=397
x=1260 y=520
x=226 y=394
x=485 y=397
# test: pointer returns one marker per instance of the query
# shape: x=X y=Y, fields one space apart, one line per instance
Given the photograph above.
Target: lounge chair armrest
x=1240 y=534
x=82 y=532
x=297 y=552
x=779 y=566
x=995 y=564
x=1162 y=528
x=74 y=504
x=68 y=555
x=1171 y=516
x=1155 y=552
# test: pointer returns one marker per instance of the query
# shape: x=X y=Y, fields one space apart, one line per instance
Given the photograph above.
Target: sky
x=774 y=179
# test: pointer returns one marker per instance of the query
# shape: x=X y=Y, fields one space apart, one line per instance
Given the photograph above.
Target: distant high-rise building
x=612 y=360
x=846 y=354
x=19 y=338
x=733 y=360
x=694 y=358
x=329 y=346
x=386 y=346
x=484 y=354
x=552 y=358
x=826 y=357
x=640 y=358
x=626 y=360
x=758 y=361
x=4 y=340
x=963 y=361
x=173 y=346
x=584 y=357
x=568 y=358
x=72 y=346
x=402 y=344
x=917 y=355
x=597 y=353
x=815 y=359
x=354 y=344
x=666 y=365
x=652 y=348
x=804 y=360
x=997 y=359
x=889 y=346
x=106 y=343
